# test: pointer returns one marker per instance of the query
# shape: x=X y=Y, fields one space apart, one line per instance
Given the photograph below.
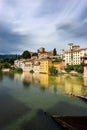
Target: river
x=25 y=97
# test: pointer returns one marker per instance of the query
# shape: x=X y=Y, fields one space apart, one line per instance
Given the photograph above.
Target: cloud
x=10 y=40
x=10 y=2
x=30 y=24
x=84 y=14
x=73 y=29
x=50 y=7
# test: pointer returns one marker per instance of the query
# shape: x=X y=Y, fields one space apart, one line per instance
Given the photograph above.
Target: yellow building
x=44 y=65
x=59 y=66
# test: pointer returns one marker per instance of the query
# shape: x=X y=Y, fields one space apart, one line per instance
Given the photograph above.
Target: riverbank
x=5 y=70
x=71 y=122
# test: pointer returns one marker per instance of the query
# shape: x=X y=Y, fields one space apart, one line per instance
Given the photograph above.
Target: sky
x=31 y=24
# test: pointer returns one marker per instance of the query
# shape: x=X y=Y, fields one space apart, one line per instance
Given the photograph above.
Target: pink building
x=84 y=64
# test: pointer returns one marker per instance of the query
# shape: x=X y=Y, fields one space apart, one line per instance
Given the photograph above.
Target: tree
x=53 y=70
x=34 y=54
x=26 y=55
x=77 y=68
x=57 y=60
x=54 y=52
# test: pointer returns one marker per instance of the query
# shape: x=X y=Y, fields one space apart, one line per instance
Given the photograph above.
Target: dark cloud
x=73 y=30
x=49 y=7
x=9 y=40
x=10 y=2
x=83 y=14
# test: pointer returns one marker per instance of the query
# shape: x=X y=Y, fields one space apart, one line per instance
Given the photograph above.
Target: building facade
x=84 y=64
x=44 y=65
x=73 y=55
x=59 y=66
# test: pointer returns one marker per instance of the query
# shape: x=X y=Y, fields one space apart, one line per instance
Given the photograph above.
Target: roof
x=83 y=49
x=72 y=51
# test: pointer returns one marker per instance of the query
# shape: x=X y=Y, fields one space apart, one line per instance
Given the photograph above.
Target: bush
x=53 y=70
x=18 y=70
x=31 y=71
x=77 y=68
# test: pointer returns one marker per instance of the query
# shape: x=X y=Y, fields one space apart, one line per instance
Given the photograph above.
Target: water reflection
x=1 y=76
x=30 y=92
x=26 y=84
x=68 y=84
x=73 y=86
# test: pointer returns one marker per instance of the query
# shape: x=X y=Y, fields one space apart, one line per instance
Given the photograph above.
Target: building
x=25 y=64
x=83 y=52
x=44 y=65
x=19 y=63
x=28 y=66
x=72 y=55
x=59 y=66
x=84 y=64
x=62 y=54
x=41 y=50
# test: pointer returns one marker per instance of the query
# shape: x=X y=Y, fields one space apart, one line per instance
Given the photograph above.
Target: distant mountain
x=9 y=56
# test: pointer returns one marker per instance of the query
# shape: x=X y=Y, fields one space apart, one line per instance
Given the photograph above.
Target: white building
x=28 y=66
x=19 y=63
x=73 y=55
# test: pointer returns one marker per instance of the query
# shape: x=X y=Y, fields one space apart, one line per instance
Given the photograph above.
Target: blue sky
x=31 y=24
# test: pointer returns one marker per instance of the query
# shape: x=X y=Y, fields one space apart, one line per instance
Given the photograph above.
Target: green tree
x=31 y=71
x=54 y=52
x=34 y=54
x=77 y=68
x=57 y=60
x=6 y=65
x=53 y=70
x=26 y=55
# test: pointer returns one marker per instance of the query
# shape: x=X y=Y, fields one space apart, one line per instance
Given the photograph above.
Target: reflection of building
x=44 y=80
x=69 y=85
x=17 y=76
x=59 y=80
x=44 y=65
x=73 y=86
x=27 y=77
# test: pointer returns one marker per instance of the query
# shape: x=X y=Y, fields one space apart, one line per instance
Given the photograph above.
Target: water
x=24 y=98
